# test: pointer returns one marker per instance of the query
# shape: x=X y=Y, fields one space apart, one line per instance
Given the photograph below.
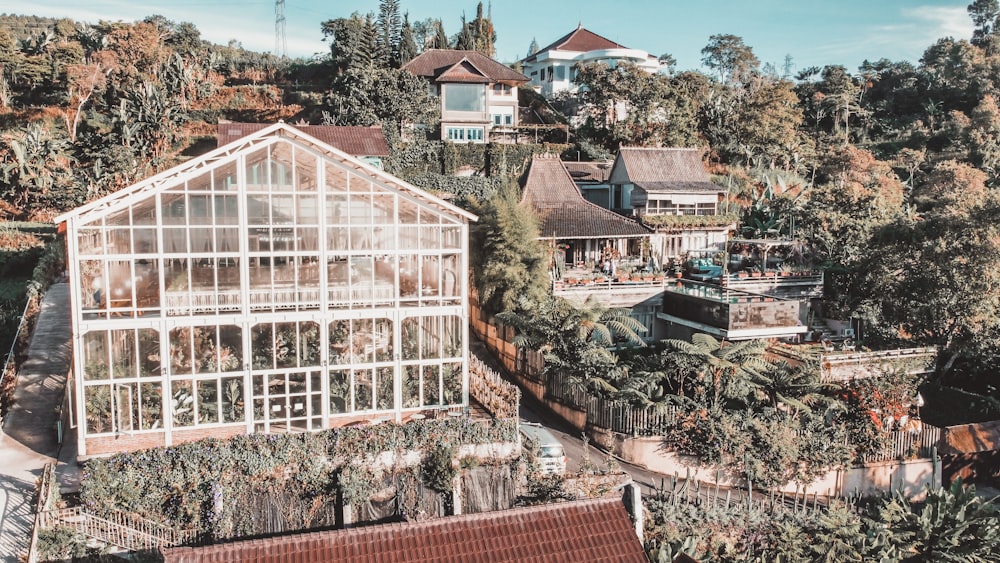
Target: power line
x=280 y=43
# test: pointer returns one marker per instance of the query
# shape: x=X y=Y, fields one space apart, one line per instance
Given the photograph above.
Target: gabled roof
x=169 y=178
x=579 y=39
x=589 y=172
x=355 y=141
x=595 y=531
x=451 y=65
x=562 y=210
x=663 y=170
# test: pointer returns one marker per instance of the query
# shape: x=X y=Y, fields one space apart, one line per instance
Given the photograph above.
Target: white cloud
x=953 y=21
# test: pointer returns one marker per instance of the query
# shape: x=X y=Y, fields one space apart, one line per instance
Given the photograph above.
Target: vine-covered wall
x=262 y=484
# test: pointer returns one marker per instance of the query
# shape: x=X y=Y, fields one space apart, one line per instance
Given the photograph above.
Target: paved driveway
x=28 y=440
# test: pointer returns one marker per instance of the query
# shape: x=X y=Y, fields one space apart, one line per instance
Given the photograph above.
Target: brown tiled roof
x=664 y=169
x=450 y=65
x=591 y=172
x=562 y=210
x=581 y=40
x=355 y=141
x=591 y=530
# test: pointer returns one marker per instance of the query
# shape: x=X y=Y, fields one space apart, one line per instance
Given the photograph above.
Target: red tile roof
x=663 y=170
x=451 y=65
x=581 y=40
x=564 y=213
x=355 y=141
x=594 y=531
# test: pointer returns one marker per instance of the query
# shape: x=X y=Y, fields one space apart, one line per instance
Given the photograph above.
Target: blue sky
x=813 y=32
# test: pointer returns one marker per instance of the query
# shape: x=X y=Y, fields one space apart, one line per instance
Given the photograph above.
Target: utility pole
x=280 y=43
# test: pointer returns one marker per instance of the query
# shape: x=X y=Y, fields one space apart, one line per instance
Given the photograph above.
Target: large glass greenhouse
x=273 y=285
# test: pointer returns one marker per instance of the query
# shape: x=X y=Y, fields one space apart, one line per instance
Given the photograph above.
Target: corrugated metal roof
x=433 y=63
x=355 y=141
x=663 y=170
x=595 y=531
x=564 y=213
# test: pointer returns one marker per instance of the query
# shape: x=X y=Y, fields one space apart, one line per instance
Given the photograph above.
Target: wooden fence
x=118 y=528
x=498 y=396
x=908 y=444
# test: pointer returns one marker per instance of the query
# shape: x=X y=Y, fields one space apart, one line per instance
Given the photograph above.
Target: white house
x=551 y=69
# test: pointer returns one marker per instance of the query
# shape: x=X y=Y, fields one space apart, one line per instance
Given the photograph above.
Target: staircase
x=118 y=529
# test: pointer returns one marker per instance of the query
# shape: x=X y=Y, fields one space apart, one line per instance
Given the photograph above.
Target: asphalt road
x=572 y=441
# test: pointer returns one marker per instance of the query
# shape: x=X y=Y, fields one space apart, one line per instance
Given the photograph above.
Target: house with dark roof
x=669 y=189
x=478 y=94
x=592 y=180
x=590 y=243
x=588 y=232
x=367 y=144
x=552 y=69
x=596 y=531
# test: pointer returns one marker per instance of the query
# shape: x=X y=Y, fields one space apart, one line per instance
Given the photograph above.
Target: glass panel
x=144 y=212
x=385 y=399
x=182 y=403
x=336 y=178
x=452 y=375
x=362 y=389
x=410 y=335
x=95 y=355
x=450 y=280
x=225 y=177
x=430 y=337
x=262 y=346
x=340 y=389
x=181 y=356
x=173 y=208
x=97 y=399
x=305 y=170
x=119 y=241
x=151 y=406
x=432 y=385
x=145 y=241
x=149 y=353
x=308 y=344
x=411 y=386
x=208 y=401
x=92 y=283
x=451 y=337
x=232 y=399
x=90 y=241
x=463 y=97
x=202 y=183
x=123 y=352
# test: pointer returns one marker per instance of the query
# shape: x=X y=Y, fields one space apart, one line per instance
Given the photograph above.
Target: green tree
x=440 y=39
x=478 y=34
x=627 y=106
x=389 y=28
x=984 y=14
x=407 y=44
x=509 y=261
x=730 y=58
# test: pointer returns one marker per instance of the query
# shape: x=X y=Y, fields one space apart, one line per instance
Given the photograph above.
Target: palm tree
x=730 y=370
